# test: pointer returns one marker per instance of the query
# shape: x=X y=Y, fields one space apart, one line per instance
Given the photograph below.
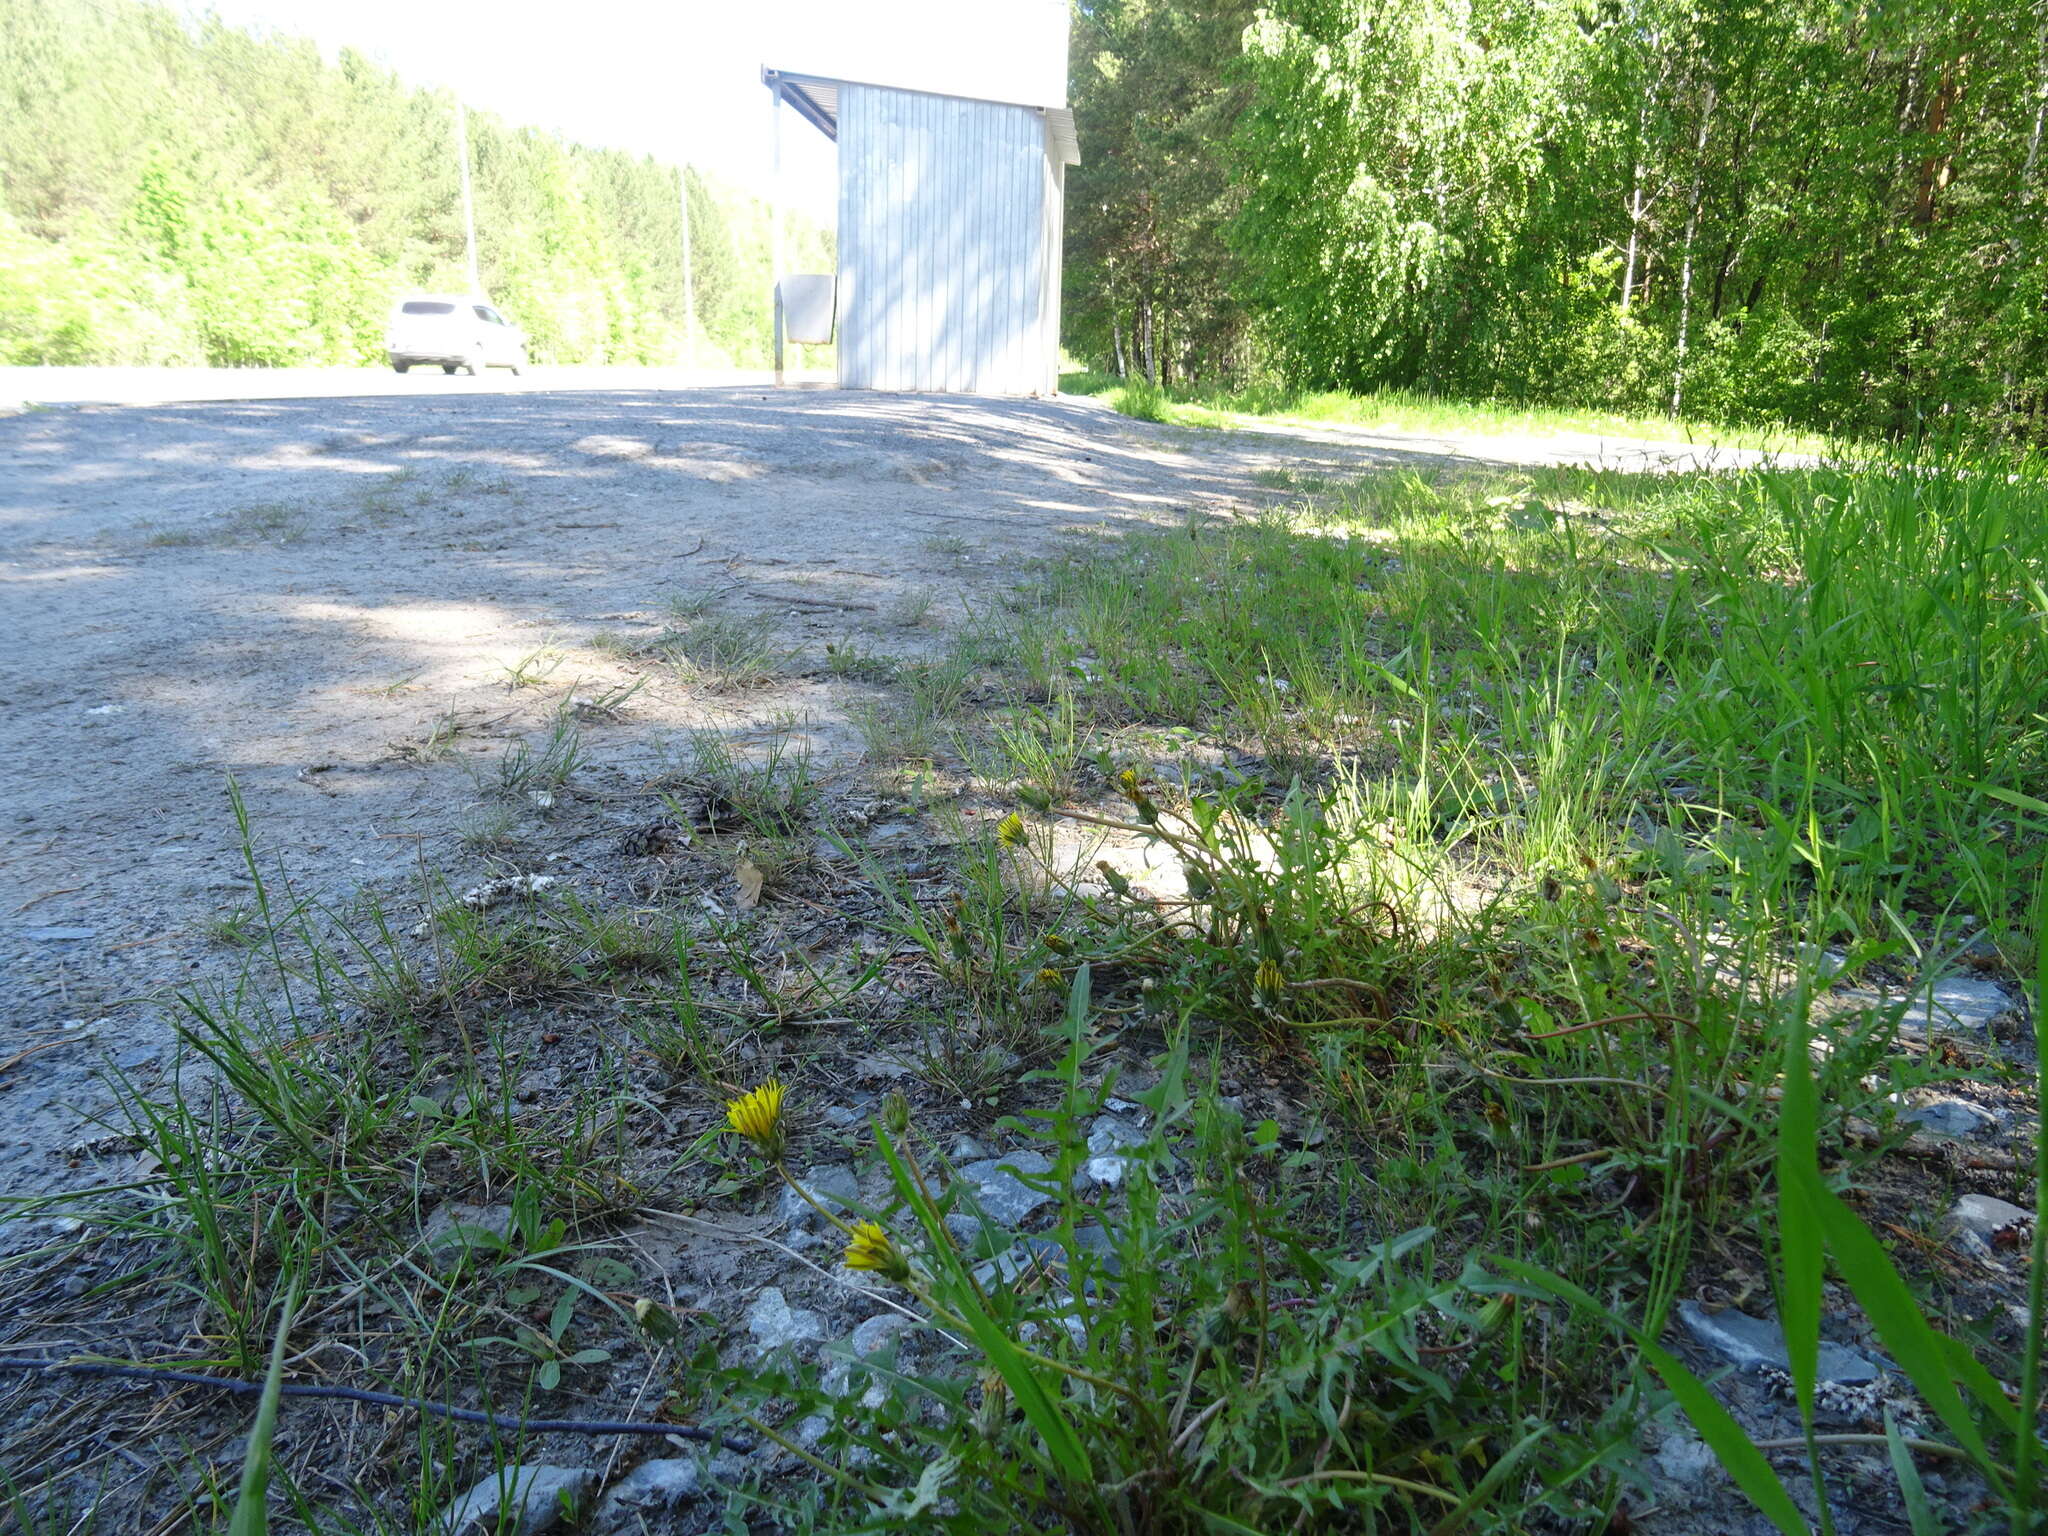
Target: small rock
x=656 y=1485
x=1753 y=1341
x=1956 y=1002
x=1686 y=1459
x=1951 y=1117
x=967 y=1150
x=1108 y=1142
x=1826 y=963
x=832 y=1185
x=877 y=1333
x=1985 y=1214
x=1987 y=1228
x=532 y=1499
x=456 y=1231
x=1005 y=1198
x=775 y=1324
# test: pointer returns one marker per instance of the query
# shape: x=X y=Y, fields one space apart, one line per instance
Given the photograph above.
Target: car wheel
x=400 y=367
x=447 y=367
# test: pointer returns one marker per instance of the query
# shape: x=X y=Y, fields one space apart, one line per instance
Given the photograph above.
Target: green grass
x=1511 y=814
x=1410 y=411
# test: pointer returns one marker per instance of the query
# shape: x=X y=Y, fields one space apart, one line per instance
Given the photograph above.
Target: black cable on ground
x=386 y=1400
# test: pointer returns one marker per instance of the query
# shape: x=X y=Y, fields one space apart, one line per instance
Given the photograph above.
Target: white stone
x=1750 y=1341
x=1108 y=1142
x=1955 y=1002
x=661 y=1484
x=1005 y=1198
x=533 y=1499
x=832 y=1185
x=774 y=1323
x=1951 y=1117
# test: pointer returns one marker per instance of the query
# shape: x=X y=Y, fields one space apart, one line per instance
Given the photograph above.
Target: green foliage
x=197 y=194
x=1825 y=216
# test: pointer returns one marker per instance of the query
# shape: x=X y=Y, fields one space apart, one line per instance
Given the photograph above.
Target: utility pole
x=775 y=215
x=689 y=285
x=476 y=284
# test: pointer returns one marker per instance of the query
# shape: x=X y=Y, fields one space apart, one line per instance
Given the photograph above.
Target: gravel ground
x=320 y=595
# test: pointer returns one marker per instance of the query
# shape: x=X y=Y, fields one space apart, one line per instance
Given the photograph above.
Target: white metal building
x=950 y=213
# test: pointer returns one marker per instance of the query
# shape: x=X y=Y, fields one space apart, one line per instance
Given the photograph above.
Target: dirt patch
x=358 y=607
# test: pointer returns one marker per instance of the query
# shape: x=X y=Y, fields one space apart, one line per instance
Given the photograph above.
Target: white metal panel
x=948 y=248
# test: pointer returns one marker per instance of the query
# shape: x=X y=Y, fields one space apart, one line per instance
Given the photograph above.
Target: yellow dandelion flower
x=1010 y=830
x=758 y=1117
x=1127 y=781
x=869 y=1247
x=1051 y=979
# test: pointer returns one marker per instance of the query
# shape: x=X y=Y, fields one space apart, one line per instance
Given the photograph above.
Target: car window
x=426 y=307
x=481 y=312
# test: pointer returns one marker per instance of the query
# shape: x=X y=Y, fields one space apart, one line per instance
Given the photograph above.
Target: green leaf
x=251 y=1517
x=1912 y=1492
x=1018 y=1374
x=1896 y=1316
x=1798 y=1232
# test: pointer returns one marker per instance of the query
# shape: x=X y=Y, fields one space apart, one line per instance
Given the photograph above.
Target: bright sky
x=680 y=80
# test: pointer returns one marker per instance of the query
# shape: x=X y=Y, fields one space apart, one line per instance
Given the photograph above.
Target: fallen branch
x=383 y=1400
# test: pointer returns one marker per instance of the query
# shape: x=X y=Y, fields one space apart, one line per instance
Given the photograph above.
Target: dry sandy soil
x=321 y=596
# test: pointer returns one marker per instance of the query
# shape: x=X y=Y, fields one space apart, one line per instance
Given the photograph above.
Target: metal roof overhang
x=816 y=100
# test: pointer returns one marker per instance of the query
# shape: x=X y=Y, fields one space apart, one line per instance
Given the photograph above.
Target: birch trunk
x=1692 y=230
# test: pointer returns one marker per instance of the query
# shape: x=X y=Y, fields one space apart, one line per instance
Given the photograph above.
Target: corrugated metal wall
x=948 y=247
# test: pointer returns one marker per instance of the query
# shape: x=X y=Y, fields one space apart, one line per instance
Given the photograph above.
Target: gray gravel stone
x=456 y=1231
x=1951 y=1117
x=1976 y=1221
x=1109 y=1139
x=877 y=1333
x=1005 y=1198
x=774 y=1323
x=1752 y=1341
x=832 y=1185
x=534 y=1499
x=1986 y=1214
x=1957 y=1002
x=1686 y=1459
x=651 y=1487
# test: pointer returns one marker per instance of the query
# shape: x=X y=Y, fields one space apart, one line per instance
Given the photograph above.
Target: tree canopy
x=178 y=193
x=1775 y=210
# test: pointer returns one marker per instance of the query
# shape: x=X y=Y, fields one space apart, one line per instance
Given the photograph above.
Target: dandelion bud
x=873 y=1249
x=896 y=1113
x=1270 y=982
x=994 y=1412
x=1010 y=831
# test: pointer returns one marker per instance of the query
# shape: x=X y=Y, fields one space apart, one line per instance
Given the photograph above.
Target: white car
x=454 y=330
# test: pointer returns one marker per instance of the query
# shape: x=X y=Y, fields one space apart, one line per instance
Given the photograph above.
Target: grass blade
x=250 y=1517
